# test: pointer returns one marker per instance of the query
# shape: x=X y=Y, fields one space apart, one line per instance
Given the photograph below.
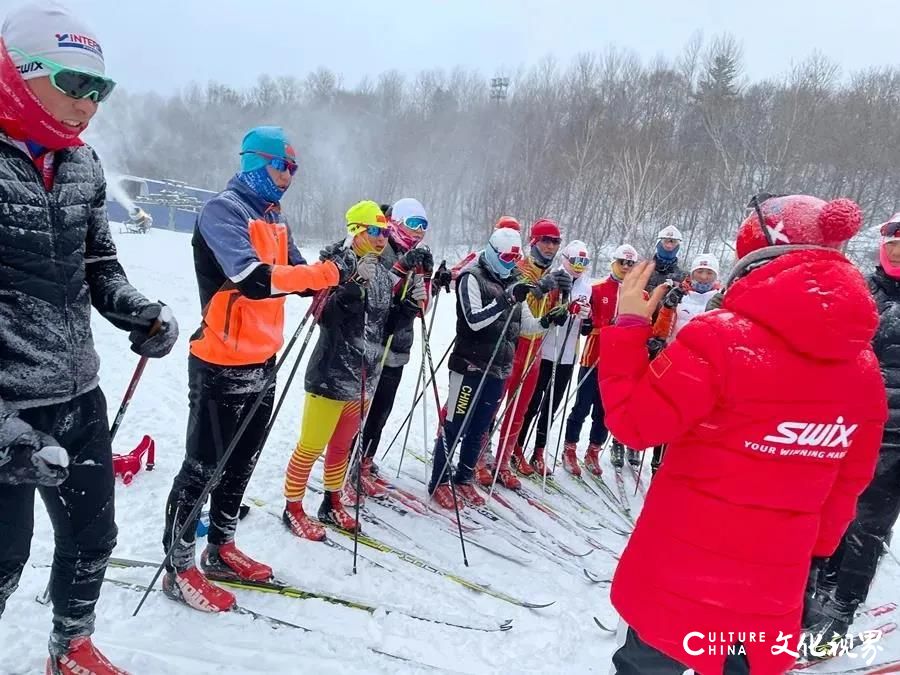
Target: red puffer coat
x=773 y=409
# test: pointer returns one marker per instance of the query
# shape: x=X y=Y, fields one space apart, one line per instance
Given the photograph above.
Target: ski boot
x=443 y=495
x=592 y=459
x=537 y=462
x=332 y=511
x=634 y=458
x=300 y=524
x=520 y=463
x=370 y=486
x=228 y=562
x=81 y=657
x=483 y=469
x=469 y=495
x=570 y=459
x=617 y=455
x=509 y=480
x=829 y=632
x=192 y=588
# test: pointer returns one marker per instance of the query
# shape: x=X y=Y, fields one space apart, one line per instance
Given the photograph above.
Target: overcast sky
x=164 y=44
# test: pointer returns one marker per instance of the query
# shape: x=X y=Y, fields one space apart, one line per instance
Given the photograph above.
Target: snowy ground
x=167 y=638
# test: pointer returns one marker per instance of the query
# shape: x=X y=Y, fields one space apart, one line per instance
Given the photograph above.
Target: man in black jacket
x=58 y=259
x=842 y=583
x=487 y=301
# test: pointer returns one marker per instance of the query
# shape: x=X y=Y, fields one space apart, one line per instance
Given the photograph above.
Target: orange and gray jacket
x=246 y=261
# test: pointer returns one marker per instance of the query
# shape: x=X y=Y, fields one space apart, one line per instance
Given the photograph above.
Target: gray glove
x=158 y=336
x=416 y=290
x=343 y=258
x=367 y=266
x=30 y=457
x=563 y=281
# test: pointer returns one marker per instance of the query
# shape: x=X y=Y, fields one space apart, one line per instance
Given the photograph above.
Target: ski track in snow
x=167 y=638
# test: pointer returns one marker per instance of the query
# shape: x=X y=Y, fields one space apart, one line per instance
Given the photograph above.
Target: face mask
x=498 y=267
x=664 y=255
x=262 y=184
x=539 y=259
x=702 y=286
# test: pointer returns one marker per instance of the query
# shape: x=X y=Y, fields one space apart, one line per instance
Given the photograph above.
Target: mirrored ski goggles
x=276 y=162
x=579 y=263
x=416 y=223
x=509 y=258
x=74 y=83
x=626 y=263
x=891 y=228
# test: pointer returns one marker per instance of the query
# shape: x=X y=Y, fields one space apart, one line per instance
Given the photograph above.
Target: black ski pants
x=587 y=400
x=636 y=657
x=541 y=398
x=82 y=511
x=852 y=566
x=220 y=399
x=380 y=407
x=461 y=404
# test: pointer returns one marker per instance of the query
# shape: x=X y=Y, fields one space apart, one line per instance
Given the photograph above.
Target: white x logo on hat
x=777 y=233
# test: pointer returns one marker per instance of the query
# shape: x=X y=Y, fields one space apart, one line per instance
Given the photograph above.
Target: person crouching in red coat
x=773 y=408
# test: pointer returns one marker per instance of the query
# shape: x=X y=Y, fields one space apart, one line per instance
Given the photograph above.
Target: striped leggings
x=325 y=422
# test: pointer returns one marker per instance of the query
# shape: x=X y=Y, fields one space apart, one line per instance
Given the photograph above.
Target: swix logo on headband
x=32 y=67
x=79 y=42
x=811 y=434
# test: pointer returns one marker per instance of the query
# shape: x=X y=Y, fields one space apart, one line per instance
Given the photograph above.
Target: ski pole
x=437 y=402
x=465 y=423
x=640 y=471
x=562 y=425
x=315 y=312
x=135 y=378
x=415 y=402
x=362 y=407
x=364 y=412
x=220 y=467
x=425 y=337
x=556 y=361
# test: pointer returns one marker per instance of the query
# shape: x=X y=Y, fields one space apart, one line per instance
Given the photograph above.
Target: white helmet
x=575 y=258
x=625 y=252
x=503 y=251
x=407 y=208
x=669 y=232
x=705 y=261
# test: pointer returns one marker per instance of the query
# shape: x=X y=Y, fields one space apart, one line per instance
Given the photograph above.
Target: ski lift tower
x=499 y=86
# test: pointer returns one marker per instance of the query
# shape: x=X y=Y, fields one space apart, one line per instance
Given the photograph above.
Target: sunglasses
x=373 y=230
x=508 y=258
x=550 y=240
x=416 y=223
x=626 y=263
x=674 y=242
x=74 y=83
x=276 y=162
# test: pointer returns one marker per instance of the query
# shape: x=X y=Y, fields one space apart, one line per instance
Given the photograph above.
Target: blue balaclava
x=666 y=256
x=269 y=141
x=507 y=242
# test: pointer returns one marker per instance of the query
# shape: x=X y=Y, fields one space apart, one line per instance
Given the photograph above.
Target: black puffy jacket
x=483 y=303
x=335 y=367
x=57 y=258
x=886 y=344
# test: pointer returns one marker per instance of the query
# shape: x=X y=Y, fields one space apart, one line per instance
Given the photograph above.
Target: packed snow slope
x=167 y=638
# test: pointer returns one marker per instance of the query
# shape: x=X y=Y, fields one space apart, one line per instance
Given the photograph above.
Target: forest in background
x=611 y=147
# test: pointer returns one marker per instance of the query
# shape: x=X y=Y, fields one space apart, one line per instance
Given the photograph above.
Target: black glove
x=715 y=301
x=655 y=345
x=557 y=315
x=442 y=278
x=587 y=326
x=416 y=258
x=343 y=258
x=158 y=331
x=546 y=284
x=673 y=297
x=517 y=292
x=563 y=282
x=30 y=457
